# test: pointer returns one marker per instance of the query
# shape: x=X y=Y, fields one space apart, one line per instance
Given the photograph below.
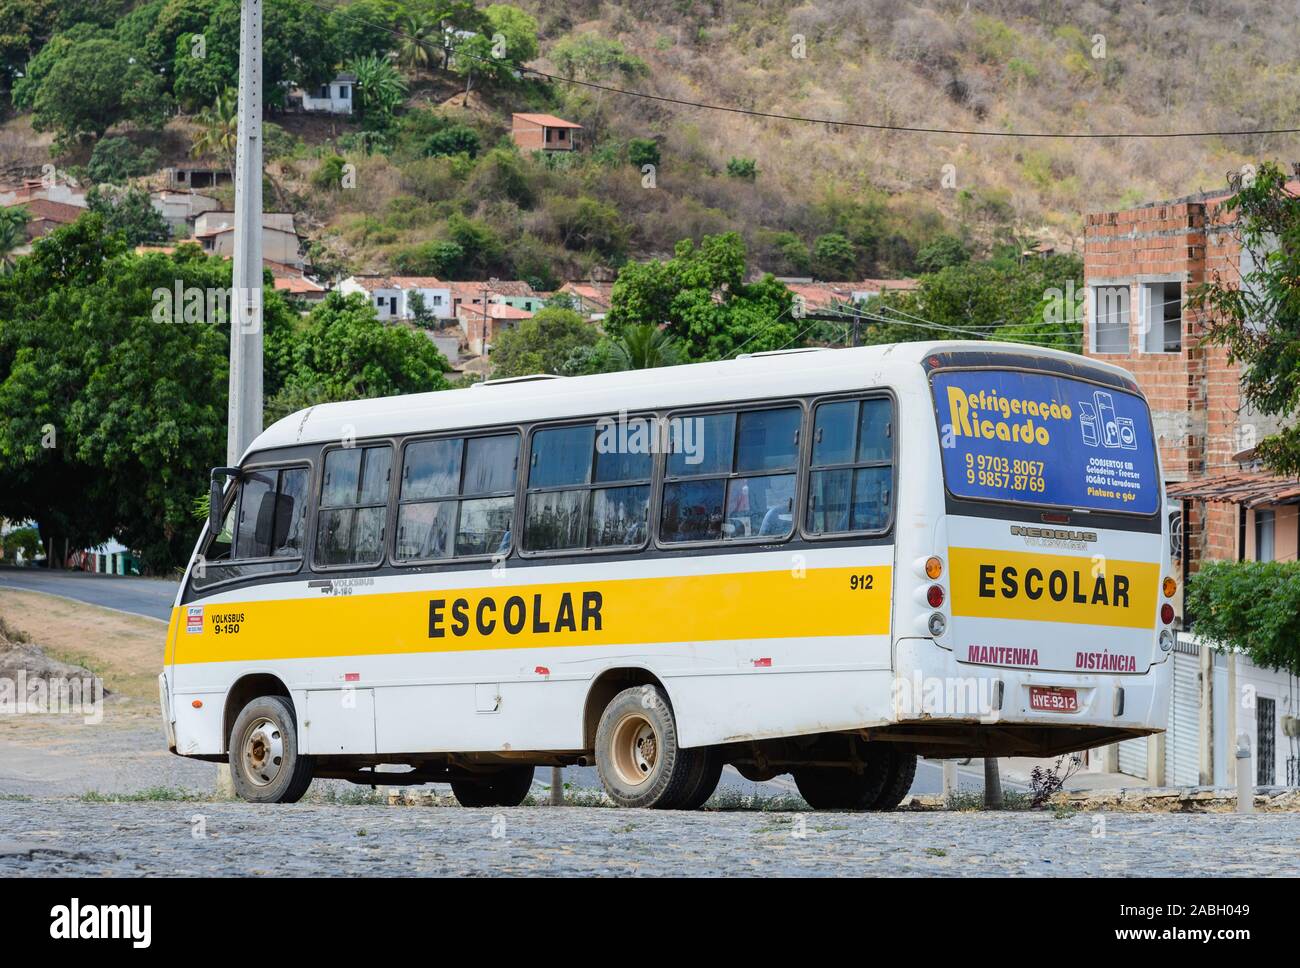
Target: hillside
x=1008 y=66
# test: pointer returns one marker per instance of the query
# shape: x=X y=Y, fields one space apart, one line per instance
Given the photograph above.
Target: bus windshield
x=1037 y=438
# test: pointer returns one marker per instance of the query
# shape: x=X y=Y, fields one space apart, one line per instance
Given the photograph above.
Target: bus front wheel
x=265 y=764
x=637 y=754
x=506 y=787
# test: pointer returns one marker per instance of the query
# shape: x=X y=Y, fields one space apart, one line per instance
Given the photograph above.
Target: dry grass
x=125 y=650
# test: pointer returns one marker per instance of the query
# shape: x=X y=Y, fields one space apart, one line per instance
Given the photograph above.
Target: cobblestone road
x=72 y=837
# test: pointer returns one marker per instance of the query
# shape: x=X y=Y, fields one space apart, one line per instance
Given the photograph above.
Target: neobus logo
x=1056 y=534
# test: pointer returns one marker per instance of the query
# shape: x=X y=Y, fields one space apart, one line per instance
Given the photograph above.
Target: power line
x=829 y=122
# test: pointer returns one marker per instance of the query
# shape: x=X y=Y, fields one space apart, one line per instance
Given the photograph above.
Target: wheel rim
x=635 y=749
x=263 y=752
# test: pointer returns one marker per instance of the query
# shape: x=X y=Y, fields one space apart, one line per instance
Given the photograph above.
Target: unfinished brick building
x=1140 y=265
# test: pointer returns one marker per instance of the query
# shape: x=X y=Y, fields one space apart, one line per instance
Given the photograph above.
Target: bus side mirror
x=216 y=490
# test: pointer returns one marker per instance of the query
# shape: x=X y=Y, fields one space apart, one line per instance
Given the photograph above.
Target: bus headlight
x=938 y=624
x=1166 y=640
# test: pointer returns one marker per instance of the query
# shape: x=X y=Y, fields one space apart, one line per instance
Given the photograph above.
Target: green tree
x=645 y=346
x=554 y=341
x=700 y=296
x=13 y=233
x=508 y=39
x=944 y=251
x=129 y=211
x=1251 y=607
x=94 y=86
x=643 y=151
x=591 y=57
x=218 y=132
x=297 y=48
x=117 y=159
x=380 y=90
x=113 y=405
x=746 y=169
x=833 y=257
x=25 y=25
x=1257 y=315
x=997 y=299
x=344 y=353
x=434 y=258
x=364 y=28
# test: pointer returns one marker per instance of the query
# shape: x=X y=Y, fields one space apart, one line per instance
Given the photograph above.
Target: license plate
x=1052 y=700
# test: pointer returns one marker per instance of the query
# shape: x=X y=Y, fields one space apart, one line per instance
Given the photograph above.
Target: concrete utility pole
x=245 y=414
x=992 y=784
x=245 y=421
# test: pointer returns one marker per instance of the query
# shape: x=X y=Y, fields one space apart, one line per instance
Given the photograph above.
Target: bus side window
x=353 y=506
x=584 y=494
x=731 y=476
x=457 y=497
x=850 y=485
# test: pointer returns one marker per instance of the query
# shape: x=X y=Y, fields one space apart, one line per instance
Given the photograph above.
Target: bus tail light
x=1166 y=613
x=1169 y=586
x=933 y=568
x=934 y=595
x=1166 y=640
x=937 y=624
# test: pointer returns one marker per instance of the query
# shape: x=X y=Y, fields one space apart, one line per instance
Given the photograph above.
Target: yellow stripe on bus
x=695 y=608
x=1076 y=589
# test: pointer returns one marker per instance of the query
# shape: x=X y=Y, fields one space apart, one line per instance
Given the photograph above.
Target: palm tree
x=13 y=222
x=219 y=135
x=420 y=40
x=647 y=346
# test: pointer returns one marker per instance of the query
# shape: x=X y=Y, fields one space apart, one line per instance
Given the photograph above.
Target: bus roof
x=517 y=401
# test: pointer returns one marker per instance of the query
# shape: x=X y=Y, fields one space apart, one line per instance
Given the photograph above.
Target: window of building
x=1110 y=315
x=1162 y=317
x=353 y=506
x=1265 y=525
x=850 y=486
x=457 y=497
x=588 y=488
x=731 y=476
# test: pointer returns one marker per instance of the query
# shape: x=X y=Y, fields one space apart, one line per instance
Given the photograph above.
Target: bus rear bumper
x=988 y=709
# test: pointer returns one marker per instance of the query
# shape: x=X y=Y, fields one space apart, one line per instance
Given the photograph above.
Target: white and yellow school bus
x=823 y=563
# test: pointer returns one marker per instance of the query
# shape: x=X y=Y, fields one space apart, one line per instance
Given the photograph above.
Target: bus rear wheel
x=846 y=787
x=902 y=771
x=265 y=765
x=638 y=758
x=507 y=787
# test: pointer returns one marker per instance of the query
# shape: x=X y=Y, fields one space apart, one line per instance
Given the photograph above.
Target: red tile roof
x=44 y=209
x=1250 y=490
x=546 y=120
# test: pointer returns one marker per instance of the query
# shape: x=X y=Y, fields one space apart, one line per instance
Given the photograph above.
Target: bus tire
x=638 y=759
x=902 y=771
x=842 y=788
x=265 y=765
x=507 y=787
x=705 y=782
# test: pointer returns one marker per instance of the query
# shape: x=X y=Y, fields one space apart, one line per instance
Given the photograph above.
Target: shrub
x=743 y=168
x=117 y=159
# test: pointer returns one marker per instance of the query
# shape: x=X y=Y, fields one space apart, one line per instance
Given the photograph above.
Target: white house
x=215 y=232
x=333 y=98
x=179 y=209
x=391 y=295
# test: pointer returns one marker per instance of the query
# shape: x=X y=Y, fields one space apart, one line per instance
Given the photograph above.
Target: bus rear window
x=1041 y=439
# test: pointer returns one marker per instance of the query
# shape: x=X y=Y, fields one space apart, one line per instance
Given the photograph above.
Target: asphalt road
x=153 y=597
